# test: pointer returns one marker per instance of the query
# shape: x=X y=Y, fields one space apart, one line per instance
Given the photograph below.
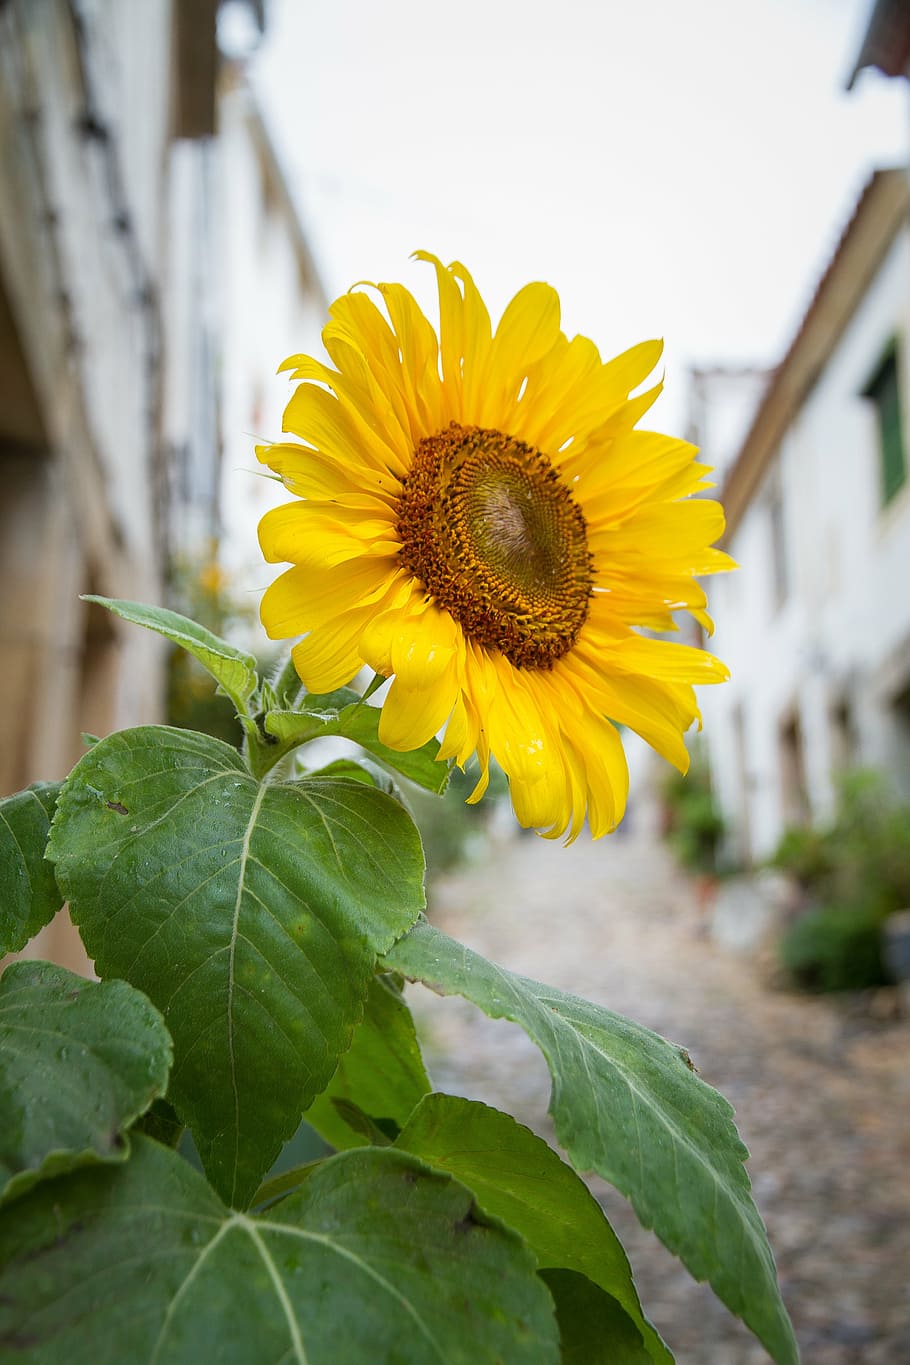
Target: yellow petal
x=307 y=367
x=571 y=717
x=339 y=432
x=528 y=328
x=365 y=386
x=419 y=359
x=302 y=534
x=562 y=399
x=302 y=599
x=629 y=369
x=573 y=460
x=527 y=331
x=451 y=337
x=681 y=530
x=477 y=341
x=359 y=328
x=521 y=736
x=416 y=644
x=312 y=474
x=460 y=738
x=600 y=749
x=585 y=396
x=412 y=715
x=667 y=661
x=658 y=711
x=330 y=657
x=641 y=459
x=430 y=644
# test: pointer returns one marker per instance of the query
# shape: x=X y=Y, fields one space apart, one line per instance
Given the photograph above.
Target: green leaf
x=376 y=1258
x=79 y=1061
x=251 y=914
x=626 y=1104
x=367 y=1129
x=162 y=1123
x=515 y=1176
x=593 y=1328
x=358 y=722
x=372 y=775
x=327 y=704
x=30 y=898
x=234 y=669
x=382 y=1073
x=361 y=724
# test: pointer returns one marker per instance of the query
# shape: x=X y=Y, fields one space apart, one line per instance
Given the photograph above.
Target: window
x=883 y=390
x=794 y=788
x=744 y=812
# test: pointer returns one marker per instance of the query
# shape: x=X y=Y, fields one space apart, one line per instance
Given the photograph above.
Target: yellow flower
x=480 y=521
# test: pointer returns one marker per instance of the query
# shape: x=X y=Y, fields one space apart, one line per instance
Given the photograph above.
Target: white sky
x=674 y=167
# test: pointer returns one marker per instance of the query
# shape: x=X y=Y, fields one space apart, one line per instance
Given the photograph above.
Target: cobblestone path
x=821 y=1089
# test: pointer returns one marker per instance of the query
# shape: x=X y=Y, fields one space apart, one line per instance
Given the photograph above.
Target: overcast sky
x=674 y=167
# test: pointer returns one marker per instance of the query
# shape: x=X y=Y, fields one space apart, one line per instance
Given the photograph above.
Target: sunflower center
x=495 y=535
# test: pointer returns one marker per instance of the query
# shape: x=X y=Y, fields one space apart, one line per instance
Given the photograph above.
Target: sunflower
x=480 y=521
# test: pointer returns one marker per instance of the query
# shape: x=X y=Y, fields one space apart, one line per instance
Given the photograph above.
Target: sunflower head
x=479 y=519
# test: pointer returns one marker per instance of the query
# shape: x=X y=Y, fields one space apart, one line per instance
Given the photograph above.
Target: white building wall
x=241 y=295
x=193 y=287
x=839 y=635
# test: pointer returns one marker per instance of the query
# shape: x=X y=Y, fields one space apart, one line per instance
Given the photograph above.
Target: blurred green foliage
x=693 y=825
x=452 y=831
x=853 y=874
x=834 y=949
x=200 y=589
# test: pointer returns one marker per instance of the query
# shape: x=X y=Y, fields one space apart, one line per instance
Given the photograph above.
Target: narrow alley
x=820 y=1086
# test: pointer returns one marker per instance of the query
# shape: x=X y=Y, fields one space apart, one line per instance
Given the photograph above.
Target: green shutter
x=883 y=390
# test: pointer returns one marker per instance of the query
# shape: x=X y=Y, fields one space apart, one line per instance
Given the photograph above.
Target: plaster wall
x=828 y=661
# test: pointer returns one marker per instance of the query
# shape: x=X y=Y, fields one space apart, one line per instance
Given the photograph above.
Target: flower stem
x=287 y=683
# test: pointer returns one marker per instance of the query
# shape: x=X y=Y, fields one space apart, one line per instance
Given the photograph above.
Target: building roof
x=881 y=211
x=886 y=44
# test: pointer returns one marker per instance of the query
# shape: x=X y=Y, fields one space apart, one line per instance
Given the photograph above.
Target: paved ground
x=821 y=1089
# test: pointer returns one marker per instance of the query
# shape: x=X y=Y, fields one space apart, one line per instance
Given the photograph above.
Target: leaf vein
x=362 y=1265
x=245 y=852
x=280 y=1291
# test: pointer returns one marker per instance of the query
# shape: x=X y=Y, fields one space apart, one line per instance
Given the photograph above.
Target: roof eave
x=882 y=210
x=886 y=43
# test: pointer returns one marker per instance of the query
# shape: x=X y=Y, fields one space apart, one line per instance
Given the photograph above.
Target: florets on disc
x=494 y=534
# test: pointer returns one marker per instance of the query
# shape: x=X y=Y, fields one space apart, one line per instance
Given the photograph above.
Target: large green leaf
x=234 y=669
x=382 y=1072
x=251 y=914
x=79 y=1061
x=29 y=898
x=593 y=1328
x=626 y=1104
x=376 y=1258
x=515 y=1176
x=359 y=722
